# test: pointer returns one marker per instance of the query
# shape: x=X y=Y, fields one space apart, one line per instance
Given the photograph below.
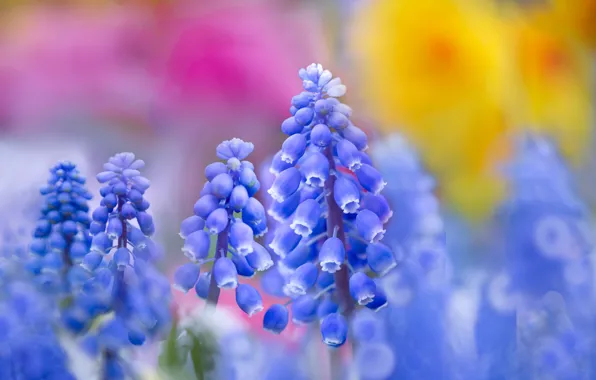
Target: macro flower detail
x=323 y=180
x=229 y=191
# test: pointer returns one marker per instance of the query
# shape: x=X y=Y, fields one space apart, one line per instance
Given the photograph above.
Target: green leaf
x=203 y=353
x=171 y=357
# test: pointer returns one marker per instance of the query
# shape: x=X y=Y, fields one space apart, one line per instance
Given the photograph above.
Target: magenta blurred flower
x=63 y=61
x=223 y=56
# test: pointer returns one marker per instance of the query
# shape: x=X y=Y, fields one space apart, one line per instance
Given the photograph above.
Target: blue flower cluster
x=418 y=290
x=226 y=209
x=123 y=291
x=30 y=349
x=61 y=237
x=535 y=307
x=330 y=212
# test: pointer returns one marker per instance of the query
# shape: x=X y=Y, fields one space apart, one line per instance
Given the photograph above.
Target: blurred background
x=169 y=79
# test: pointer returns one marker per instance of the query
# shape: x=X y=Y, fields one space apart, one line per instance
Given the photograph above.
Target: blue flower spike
x=124 y=282
x=61 y=237
x=325 y=198
x=227 y=209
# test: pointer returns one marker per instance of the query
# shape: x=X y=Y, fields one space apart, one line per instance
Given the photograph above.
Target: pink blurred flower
x=235 y=59
x=67 y=60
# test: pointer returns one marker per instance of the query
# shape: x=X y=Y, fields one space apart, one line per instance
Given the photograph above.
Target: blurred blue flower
x=30 y=349
x=418 y=288
x=61 y=236
x=535 y=308
x=125 y=289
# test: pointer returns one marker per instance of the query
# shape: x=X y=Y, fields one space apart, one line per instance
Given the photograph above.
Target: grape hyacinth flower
x=30 y=348
x=542 y=225
x=226 y=209
x=322 y=177
x=419 y=289
x=125 y=287
x=61 y=237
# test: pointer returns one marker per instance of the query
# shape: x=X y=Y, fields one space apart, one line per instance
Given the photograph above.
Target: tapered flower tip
x=277 y=164
x=303 y=278
x=101 y=243
x=92 y=260
x=304 y=309
x=306 y=217
x=239 y=198
x=186 y=276
x=290 y=126
x=348 y=155
x=196 y=245
x=205 y=205
x=379 y=300
x=379 y=205
x=222 y=185
x=315 y=169
x=280 y=211
x=346 y=195
x=253 y=212
x=122 y=258
x=259 y=259
x=356 y=136
x=241 y=237
x=190 y=225
x=380 y=258
x=276 y=318
x=248 y=299
x=369 y=226
x=362 y=288
x=285 y=184
x=370 y=179
x=334 y=330
x=332 y=255
x=214 y=169
x=320 y=135
x=234 y=148
x=122 y=160
x=374 y=361
x=284 y=240
x=225 y=273
x=293 y=148
x=242 y=266
x=217 y=221
x=202 y=286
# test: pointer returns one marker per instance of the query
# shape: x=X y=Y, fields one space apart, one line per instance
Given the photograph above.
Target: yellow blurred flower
x=579 y=16
x=438 y=69
x=458 y=76
x=554 y=80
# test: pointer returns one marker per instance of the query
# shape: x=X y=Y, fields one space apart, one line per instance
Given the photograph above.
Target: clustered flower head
x=330 y=212
x=543 y=220
x=123 y=287
x=226 y=209
x=538 y=301
x=418 y=289
x=30 y=349
x=61 y=237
